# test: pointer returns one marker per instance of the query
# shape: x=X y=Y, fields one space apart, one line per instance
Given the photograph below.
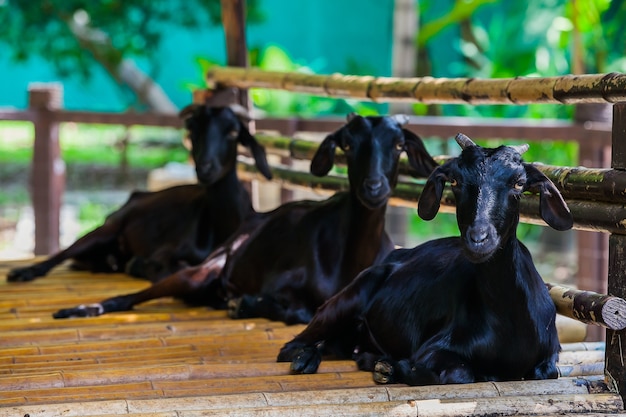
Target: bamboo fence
x=594 y=196
x=166 y=359
x=569 y=89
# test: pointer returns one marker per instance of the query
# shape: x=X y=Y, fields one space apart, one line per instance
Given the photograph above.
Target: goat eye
x=346 y=147
x=453 y=182
x=399 y=146
x=233 y=134
x=519 y=185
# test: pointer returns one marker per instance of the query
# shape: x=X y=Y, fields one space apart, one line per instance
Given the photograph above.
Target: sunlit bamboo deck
x=165 y=359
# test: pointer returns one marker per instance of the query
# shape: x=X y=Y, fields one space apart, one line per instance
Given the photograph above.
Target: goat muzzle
x=374 y=193
x=481 y=242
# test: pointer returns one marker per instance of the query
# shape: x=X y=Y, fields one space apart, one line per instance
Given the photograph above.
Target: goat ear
x=419 y=158
x=552 y=207
x=258 y=151
x=324 y=157
x=430 y=200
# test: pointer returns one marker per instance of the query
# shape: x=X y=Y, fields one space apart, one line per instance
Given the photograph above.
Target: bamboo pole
x=589 y=307
x=587 y=88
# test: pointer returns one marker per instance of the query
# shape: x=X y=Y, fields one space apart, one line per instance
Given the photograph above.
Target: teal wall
x=349 y=36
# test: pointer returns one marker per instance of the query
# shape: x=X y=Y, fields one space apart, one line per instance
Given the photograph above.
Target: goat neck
x=228 y=196
x=366 y=235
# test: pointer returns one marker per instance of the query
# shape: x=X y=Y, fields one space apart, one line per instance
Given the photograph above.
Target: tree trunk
x=124 y=71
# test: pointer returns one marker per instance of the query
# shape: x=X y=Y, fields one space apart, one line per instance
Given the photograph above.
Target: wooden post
x=592 y=246
x=48 y=169
x=234 y=21
x=404 y=64
x=615 y=361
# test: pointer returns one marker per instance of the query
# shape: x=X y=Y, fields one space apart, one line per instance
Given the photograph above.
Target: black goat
x=157 y=233
x=452 y=310
x=284 y=264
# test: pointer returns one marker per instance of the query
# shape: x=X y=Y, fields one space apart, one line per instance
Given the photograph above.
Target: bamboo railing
x=569 y=89
x=595 y=196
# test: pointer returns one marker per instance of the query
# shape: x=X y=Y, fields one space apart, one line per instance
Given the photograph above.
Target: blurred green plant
x=273 y=57
x=95 y=144
x=91 y=215
x=77 y=36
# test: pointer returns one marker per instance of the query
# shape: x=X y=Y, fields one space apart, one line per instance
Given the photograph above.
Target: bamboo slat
x=257 y=405
x=587 y=88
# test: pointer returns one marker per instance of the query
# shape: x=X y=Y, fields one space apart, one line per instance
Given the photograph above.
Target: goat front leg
x=82 y=247
x=185 y=283
x=333 y=328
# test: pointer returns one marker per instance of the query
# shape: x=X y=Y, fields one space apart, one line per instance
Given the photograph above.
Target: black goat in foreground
x=452 y=310
x=157 y=233
x=285 y=263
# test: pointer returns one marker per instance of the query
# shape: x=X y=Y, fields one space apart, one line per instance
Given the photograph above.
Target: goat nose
x=479 y=234
x=373 y=185
x=206 y=167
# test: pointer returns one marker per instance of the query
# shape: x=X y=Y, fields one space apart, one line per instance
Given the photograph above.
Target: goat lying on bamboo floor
x=284 y=264
x=155 y=234
x=452 y=310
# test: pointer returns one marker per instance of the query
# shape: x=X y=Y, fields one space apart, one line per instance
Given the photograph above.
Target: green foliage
x=134 y=28
x=96 y=144
x=92 y=215
x=461 y=10
x=283 y=103
x=501 y=39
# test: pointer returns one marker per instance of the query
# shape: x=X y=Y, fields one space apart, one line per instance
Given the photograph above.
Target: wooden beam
x=615 y=370
x=234 y=21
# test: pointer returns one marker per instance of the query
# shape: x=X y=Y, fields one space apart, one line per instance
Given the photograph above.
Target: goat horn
x=520 y=148
x=188 y=110
x=464 y=141
x=241 y=112
x=401 y=119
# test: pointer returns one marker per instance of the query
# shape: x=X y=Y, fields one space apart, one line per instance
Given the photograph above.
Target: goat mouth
x=374 y=202
x=480 y=253
x=207 y=178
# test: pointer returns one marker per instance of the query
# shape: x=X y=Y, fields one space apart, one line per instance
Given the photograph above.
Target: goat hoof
x=383 y=373
x=288 y=353
x=91 y=310
x=21 y=275
x=243 y=307
x=234 y=308
x=306 y=361
x=136 y=267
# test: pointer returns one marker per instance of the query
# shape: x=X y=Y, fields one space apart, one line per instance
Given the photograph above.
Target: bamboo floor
x=168 y=360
